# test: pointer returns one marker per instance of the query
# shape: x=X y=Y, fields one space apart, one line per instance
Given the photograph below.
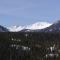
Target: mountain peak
x=53 y=28
x=37 y=25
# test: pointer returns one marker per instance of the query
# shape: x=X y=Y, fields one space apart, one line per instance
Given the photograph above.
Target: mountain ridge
x=3 y=29
x=55 y=27
x=34 y=26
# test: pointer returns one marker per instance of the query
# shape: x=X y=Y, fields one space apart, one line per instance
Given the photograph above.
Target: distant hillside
x=3 y=29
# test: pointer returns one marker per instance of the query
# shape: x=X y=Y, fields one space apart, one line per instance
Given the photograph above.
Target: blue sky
x=24 y=12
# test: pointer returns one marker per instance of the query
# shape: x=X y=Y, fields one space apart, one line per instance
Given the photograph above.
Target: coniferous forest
x=29 y=46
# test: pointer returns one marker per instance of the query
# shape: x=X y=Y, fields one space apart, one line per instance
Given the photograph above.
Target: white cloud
x=38 y=25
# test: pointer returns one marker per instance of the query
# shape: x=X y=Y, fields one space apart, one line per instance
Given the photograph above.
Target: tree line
x=27 y=45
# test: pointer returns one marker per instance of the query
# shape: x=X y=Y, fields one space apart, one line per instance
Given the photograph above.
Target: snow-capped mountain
x=15 y=28
x=3 y=29
x=38 y=25
x=53 y=28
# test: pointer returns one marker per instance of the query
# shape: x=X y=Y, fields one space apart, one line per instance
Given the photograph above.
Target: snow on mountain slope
x=15 y=28
x=38 y=25
x=55 y=27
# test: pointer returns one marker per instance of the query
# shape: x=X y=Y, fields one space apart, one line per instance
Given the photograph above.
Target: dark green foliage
x=28 y=46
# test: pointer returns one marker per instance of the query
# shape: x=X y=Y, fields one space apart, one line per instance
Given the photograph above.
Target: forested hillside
x=29 y=46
